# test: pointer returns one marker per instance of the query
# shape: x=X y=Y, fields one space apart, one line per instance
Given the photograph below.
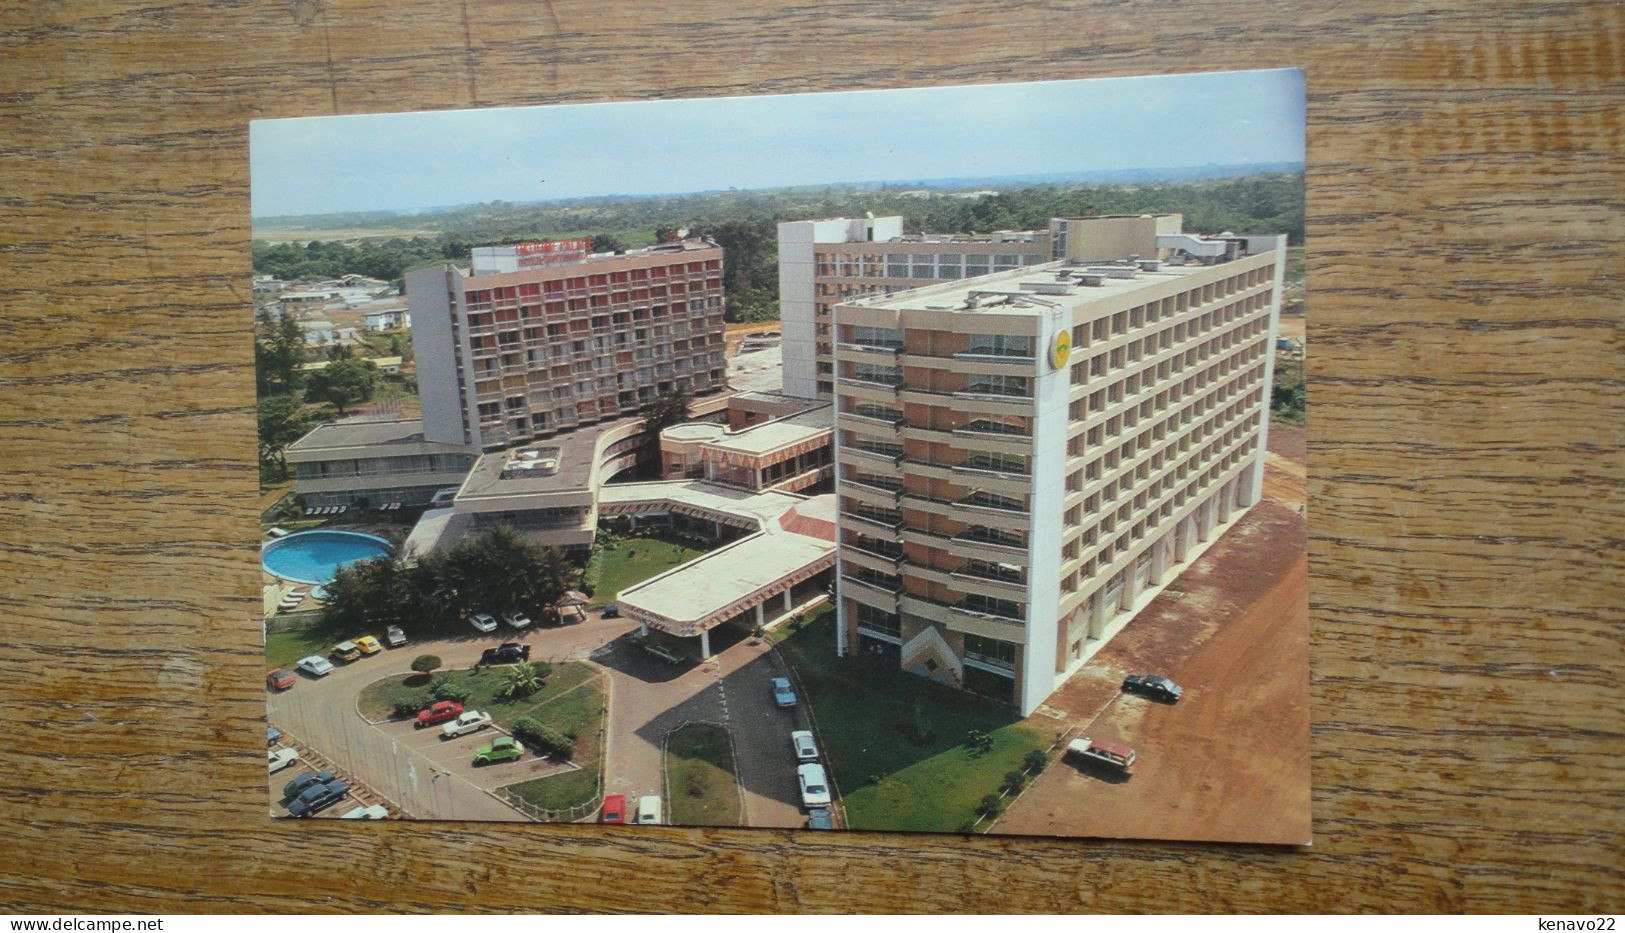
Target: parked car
x=516 y=619
x=368 y=645
x=1154 y=686
x=278 y=758
x=814 y=786
x=345 y=651
x=648 y=811
x=509 y=652
x=317 y=798
x=298 y=785
x=395 y=636
x=279 y=679
x=375 y=812
x=1112 y=754
x=272 y=733
x=614 y=809
x=819 y=818
x=612 y=611
x=782 y=694
x=315 y=665
x=805 y=748
x=438 y=712
x=483 y=622
x=465 y=724
x=506 y=748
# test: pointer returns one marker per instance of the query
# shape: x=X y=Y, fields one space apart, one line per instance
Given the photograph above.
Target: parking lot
x=455 y=757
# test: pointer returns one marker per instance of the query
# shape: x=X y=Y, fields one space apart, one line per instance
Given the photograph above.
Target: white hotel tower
x=1025 y=458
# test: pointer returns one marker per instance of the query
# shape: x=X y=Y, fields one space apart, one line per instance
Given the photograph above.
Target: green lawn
x=894 y=742
x=633 y=560
x=378 y=699
x=284 y=649
x=700 y=776
x=580 y=711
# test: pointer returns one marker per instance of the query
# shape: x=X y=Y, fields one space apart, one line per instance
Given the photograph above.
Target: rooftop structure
x=790 y=452
x=1025 y=457
x=794 y=542
x=537 y=339
x=822 y=262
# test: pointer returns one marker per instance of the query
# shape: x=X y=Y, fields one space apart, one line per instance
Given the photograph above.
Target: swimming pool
x=314 y=556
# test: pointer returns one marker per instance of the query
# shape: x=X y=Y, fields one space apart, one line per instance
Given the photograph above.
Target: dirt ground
x=1230 y=761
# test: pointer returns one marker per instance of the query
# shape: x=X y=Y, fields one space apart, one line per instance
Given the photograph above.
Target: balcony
x=870 y=351
x=877 y=454
x=871 y=593
x=875 y=555
x=871 y=523
x=872 y=387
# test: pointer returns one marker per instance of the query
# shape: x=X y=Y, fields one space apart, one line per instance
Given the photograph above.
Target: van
x=1113 y=754
x=648 y=810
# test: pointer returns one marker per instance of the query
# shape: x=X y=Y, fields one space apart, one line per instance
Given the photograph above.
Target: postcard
x=927 y=459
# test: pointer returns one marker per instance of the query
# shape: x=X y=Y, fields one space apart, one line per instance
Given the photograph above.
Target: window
x=1001 y=345
x=872 y=372
x=879 y=621
x=992 y=384
x=997 y=462
x=877 y=337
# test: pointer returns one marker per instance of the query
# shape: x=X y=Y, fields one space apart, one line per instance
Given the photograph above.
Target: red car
x=279 y=679
x=441 y=711
x=614 y=809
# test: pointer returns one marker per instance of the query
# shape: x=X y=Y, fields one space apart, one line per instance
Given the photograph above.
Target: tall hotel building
x=824 y=262
x=1025 y=458
x=539 y=338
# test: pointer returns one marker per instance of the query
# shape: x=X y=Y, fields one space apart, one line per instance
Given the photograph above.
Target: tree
x=607 y=243
x=342 y=383
x=280 y=424
x=659 y=414
x=425 y=663
x=520 y=680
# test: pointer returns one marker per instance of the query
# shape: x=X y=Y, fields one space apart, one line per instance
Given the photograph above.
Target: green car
x=506 y=748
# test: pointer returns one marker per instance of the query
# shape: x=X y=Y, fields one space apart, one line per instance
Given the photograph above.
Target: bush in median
x=548 y=741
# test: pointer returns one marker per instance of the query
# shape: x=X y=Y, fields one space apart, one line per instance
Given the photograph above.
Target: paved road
x=650 y=697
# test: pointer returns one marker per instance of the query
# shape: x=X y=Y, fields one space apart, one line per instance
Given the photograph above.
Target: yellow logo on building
x=1061 y=350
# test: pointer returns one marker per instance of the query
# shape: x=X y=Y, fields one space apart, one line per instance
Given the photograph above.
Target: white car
x=648 y=810
x=814 y=788
x=315 y=665
x=516 y=619
x=375 y=812
x=806 y=749
x=470 y=721
x=483 y=622
x=279 y=758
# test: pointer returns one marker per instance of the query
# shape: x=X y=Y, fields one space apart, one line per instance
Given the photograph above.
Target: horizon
x=895 y=186
x=312 y=166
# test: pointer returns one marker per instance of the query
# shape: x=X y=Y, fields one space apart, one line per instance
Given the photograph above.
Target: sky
x=413 y=161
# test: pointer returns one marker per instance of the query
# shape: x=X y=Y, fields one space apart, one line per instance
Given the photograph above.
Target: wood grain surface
x=1466 y=245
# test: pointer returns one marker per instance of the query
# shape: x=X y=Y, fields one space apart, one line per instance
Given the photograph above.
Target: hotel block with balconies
x=824 y=262
x=1024 y=458
x=539 y=338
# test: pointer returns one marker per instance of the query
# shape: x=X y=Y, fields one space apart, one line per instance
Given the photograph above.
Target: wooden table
x=1465 y=234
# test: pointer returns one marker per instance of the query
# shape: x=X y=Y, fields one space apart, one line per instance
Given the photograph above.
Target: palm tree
x=521 y=680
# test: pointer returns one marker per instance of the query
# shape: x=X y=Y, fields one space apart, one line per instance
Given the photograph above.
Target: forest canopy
x=745 y=223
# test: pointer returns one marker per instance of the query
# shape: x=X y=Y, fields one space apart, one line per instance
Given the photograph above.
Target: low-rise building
x=374 y=463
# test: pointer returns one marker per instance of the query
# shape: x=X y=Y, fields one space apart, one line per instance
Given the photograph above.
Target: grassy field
x=284 y=649
x=700 y=776
x=896 y=743
x=633 y=560
x=579 y=711
x=378 y=699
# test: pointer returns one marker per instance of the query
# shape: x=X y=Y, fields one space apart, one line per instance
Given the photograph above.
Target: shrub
x=990 y=806
x=424 y=663
x=1035 y=761
x=548 y=741
x=1014 y=781
x=695 y=784
x=444 y=689
x=405 y=709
